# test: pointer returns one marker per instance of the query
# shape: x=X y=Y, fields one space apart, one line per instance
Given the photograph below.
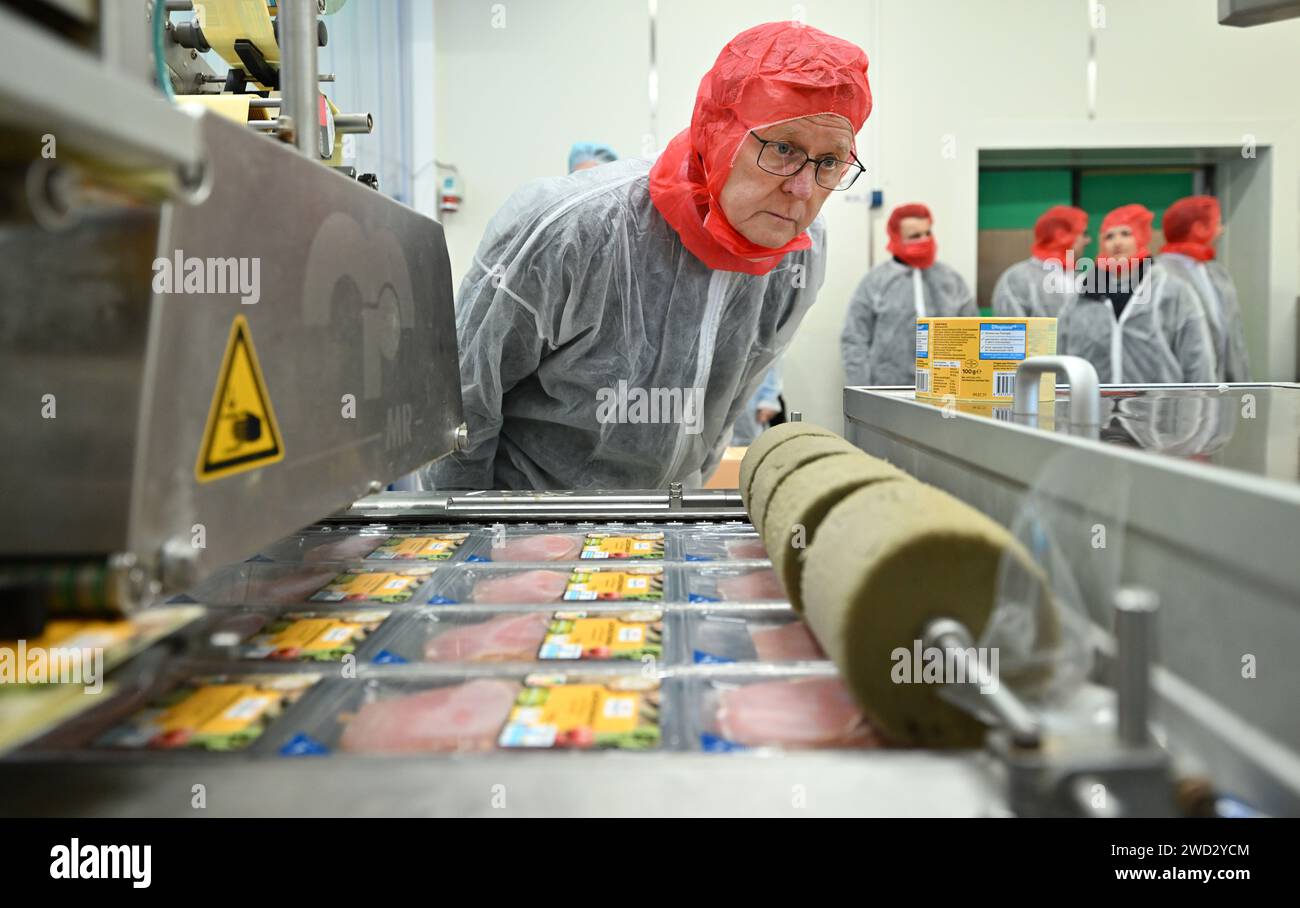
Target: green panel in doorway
x=1101 y=191
x=1013 y=199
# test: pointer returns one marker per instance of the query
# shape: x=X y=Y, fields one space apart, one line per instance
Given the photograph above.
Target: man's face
x=1119 y=243
x=772 y=210
x=913 y=229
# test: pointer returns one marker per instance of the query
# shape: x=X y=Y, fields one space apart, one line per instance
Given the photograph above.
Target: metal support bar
x=298 y=73
x=952 y=636
x=1135 y=614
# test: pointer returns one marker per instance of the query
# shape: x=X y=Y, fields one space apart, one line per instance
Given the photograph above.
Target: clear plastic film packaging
x=775 y=710
x=524 y=712
x=185 y=712
x=534 y=544
x=733 y=583
x=379 y=543
x=537 y=634
x=267 y=583
x=1080 y=552
x=737 y=545
x=486 y=584
x=293 y=633
x=772 y=635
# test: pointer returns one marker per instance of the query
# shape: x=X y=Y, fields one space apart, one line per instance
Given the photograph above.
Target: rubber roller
x=885 y=562
x=801 y=502
x=768 y=441
x=783 y=461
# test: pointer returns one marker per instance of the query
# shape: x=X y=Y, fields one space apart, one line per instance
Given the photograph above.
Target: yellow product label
x=642 y=545
x=65 y=652
x=579 y=636
x=218 y=709
x=614 y=585
x=72 y=650
x=583 y=713
x=241 y=432
x=81 y=635
x=373 y=586
x=216 y=713
x=420 y=548
x=975 y=359
x=317 y=634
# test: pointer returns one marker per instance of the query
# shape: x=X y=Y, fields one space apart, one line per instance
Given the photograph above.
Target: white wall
x=996 y=73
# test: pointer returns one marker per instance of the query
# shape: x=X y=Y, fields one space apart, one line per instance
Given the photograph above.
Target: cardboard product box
x=975 y=359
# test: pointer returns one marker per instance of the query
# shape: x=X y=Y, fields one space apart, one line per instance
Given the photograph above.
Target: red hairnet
x=910 y=210
x=1193 y=218
x=1056 y=231
x=765 y=75
x=1137 y=218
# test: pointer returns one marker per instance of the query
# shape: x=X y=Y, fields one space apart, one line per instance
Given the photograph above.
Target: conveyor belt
x=295 y=766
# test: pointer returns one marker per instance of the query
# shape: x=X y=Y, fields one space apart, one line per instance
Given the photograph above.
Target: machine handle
x=1080 y=377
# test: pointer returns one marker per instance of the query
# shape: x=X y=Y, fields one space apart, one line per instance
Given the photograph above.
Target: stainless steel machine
x=208 y=336
x=161 y=431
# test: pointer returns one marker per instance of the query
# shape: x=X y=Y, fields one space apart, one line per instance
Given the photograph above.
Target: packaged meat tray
x=264 y=583
x=202 y=712
x=737 y=545
x=536 y=635
x=293 y=634
x=776 y=711
x=480 y=714
x=771 y=635
x=526 y=545
x=733 y=583
x=501 y=585
x=375 y=544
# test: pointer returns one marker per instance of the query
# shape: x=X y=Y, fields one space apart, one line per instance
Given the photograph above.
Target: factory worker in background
x=1191 y=226
x=1133 y=320
x=1043 y=283
x=878 y=344
x=586 y=155
x=764 y=407
x=616 y=321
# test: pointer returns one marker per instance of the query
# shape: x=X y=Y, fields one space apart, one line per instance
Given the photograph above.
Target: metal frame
x=1216 y=544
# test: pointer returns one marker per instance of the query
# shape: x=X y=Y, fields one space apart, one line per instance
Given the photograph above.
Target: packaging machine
x=195 y=493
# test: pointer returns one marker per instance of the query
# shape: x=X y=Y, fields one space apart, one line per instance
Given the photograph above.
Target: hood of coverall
x=766 y=75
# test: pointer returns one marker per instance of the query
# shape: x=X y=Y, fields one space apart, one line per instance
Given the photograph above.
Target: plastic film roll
x=801 y=502
x=225 y=21
x=885 y=562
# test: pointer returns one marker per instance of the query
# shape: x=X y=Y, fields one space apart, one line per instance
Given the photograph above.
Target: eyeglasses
x=784 y=160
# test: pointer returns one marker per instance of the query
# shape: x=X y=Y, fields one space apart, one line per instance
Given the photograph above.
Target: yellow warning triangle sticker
x=241 y=432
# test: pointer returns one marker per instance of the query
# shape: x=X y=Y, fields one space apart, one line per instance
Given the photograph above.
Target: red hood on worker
x=1056 y=231
x=1137 y=218
x=766 y=75
x=918 y=253
x=1190 y=225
